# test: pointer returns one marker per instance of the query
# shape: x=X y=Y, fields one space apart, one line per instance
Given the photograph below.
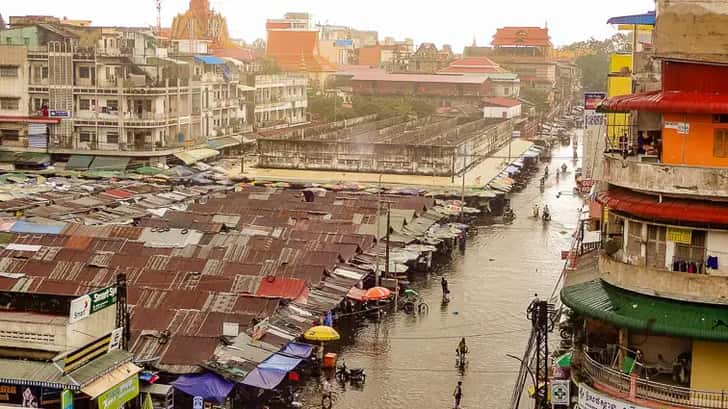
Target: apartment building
x=122 y=95
x=280 y=100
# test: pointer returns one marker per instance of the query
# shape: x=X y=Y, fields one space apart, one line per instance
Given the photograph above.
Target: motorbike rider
x=546 y=212
x=563 y=168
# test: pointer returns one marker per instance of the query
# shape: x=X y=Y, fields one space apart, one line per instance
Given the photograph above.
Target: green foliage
x=594 y=60
x=268 y=66
x=538 y=97
x=321 y=107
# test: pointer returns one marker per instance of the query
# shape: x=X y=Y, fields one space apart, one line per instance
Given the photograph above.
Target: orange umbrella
x=377 y=293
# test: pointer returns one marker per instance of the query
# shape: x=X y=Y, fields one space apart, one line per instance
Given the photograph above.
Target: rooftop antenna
x=158 y=3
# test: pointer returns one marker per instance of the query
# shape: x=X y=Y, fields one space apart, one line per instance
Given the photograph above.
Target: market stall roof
x=665 y=210
x=298 y=349
x=224 y=142
x=32 y=158
x=22 y=226
x=109 y=163
x=648 y=18
x=667 y=101
x=81 y=162
x=211 y=386
x=660 y=316
x=264 y=378
x=195 y=155
x=110 y=379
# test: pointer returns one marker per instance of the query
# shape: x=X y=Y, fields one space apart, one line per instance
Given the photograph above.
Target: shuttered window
x=720 y=143
x=656 y=245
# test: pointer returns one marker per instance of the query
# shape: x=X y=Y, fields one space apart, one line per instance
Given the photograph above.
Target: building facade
x=280 y=100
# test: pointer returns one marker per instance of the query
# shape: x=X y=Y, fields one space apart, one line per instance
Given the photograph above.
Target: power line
x=487 y=334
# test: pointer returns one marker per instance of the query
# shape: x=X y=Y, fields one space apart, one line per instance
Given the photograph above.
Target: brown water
x=410 y=360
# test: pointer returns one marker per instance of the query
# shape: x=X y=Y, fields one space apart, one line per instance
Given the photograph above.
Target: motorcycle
x=509 y=216
x=353 y=375
x=546 y=216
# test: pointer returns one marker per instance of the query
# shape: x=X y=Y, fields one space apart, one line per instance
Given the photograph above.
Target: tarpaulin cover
x=264 y=378
x=209 y=386
x=79 y=162
x=298 y=349
x=24 y=227
x=210 y=59
x=280 y=362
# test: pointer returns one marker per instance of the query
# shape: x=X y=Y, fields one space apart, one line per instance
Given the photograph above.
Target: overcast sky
x=440 y=21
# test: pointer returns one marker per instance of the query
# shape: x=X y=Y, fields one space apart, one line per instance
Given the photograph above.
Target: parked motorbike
x=509 y=216
x=353 y=375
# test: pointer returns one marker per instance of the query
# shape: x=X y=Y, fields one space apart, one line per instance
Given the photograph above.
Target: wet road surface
x=410 y=360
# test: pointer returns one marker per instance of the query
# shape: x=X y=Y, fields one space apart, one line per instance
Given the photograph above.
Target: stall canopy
x=209 y=59
x=81 y=162
x=109 y=163
x=271 y=372
x=210 y=386
x=195 y=155
x=280 y=362
x=298 y=349
x=111 y=379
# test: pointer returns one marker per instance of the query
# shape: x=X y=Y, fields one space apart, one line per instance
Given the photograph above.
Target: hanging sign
x=560 y=392
x=681 y=236
x=591 y=399
x=683 y=128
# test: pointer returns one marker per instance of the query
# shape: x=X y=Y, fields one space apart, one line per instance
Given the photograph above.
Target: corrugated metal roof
x=290 y=288
x=185 y=350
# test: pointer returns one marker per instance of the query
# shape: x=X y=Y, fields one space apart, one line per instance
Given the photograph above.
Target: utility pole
x=386 y=250
x=122 y=315
x=540 y=312
x=462 y=188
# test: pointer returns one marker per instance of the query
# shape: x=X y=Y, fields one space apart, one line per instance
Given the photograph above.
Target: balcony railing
x=646 y=390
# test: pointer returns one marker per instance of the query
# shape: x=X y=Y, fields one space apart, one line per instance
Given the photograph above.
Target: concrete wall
x=45 y=336
x=95 y=326
x=663 y=283
x=665 y=178
x=15 y=87
x=692 y=28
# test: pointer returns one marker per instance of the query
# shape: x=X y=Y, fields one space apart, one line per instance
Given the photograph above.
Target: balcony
x=649 y=393
x=633 y=173
x=663 y=283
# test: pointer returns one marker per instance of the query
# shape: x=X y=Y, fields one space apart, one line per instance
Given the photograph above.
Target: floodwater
x=410 y=360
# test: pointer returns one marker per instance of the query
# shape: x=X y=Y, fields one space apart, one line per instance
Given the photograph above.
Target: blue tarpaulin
x=209 y=386
x=298 y=349
x=639 y=19
x=24 y=227
x=210 y=59
x=264 y=378
x=280 y=362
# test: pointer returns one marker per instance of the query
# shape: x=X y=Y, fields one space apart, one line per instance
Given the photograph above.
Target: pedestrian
x=443 y=283
x=327 y=394
x=458 y=394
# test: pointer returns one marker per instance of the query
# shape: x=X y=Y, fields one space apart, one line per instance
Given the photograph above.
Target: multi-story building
x=527 y=52
x=427 y=59
x=652 y=299
x=280 y=100
x=505 y=84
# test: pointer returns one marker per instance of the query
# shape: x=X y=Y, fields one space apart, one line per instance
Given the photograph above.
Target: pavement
x=476 y=177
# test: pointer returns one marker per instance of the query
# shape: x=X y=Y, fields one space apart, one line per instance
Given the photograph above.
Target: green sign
x=67 y=399
x=119 y=394
x=102 y=298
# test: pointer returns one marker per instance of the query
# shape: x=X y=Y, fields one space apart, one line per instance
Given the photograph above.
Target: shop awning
x=667 y=101
x=221 y=143
x=79 y=162
x=660 y=316
x=111 y=379
x=32 y=158
x=210 y=386
x=195 y=155
x=264 y=378
x=209 y=59
x=109 y=163
x=298 y=349
x=668 y=210
x=648 y=18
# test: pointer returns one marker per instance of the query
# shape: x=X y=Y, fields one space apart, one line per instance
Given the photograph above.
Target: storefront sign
x=116 y=337
x=23 y=396
x=119 y=394
x=591 y=399
x=593 y=99
x=681 y=236
x=592 y=119
x=67 y=399
x=88 y=304
x=59 y=114
x=682 y=128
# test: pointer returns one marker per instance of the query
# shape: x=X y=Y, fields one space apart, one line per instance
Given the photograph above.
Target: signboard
x=59 y=114
x=88 y=304
x=197 y=402
x=66 y=399
x=591 y=399
x=681 y=236
x=119 y=394
x=683 y=128
x=593 y=99
x=116 y=337
x=78 y=357
x=593 y=118
x=516 y=134
x=23 y=396
x=560 y=392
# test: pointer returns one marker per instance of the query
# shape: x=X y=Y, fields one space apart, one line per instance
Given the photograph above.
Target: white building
x=280 y=100
x=499 y=107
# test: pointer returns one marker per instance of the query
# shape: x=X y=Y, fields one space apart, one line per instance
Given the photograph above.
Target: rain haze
x=455 y=22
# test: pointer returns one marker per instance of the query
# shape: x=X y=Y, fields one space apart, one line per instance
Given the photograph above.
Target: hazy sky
x=443 y=21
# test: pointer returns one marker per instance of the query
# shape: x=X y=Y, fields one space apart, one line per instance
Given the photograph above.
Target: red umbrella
x=377 y=293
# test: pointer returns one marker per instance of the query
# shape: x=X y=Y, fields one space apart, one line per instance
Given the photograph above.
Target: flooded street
x=410 y=360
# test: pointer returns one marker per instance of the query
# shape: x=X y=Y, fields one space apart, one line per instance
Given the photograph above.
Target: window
x=11 y=104
x=10 y=134
x=85 y=136
x=506 y=91
x=84 y=72
x=695 y=251
x=112 y=105
x=720 y=143
x=39 y=102
x=84 y=104
x=8 y=71
x=112 y=137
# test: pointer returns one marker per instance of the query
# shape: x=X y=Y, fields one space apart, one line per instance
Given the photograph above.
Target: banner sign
x=116 y=337
x=119 y=394
x=683 y=128
x=591 y=399
x=22 y=396
x=93 y=302
x=681 y=236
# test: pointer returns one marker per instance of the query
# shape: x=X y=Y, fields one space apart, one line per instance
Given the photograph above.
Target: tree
x=2 y=22
x=593 y=58
x=538 y=97
x=269 y=66
x=594 y=70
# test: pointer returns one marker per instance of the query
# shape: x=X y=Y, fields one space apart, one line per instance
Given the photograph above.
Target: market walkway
x=410 y=361
x=476 y=177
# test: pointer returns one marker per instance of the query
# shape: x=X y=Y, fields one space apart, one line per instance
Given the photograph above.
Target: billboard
x=90 y=303
x=593 y=99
